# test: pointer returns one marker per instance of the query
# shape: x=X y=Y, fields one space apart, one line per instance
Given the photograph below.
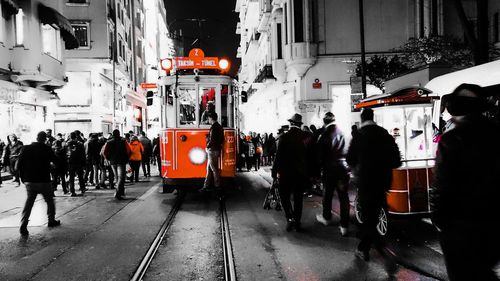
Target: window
x=279 y=41
x=19 y=26
x=298 y=19
x=2 y=25
x=82 y=33
x=51 y=41
x=78 y=82
x=496 y=27
x=79 y=2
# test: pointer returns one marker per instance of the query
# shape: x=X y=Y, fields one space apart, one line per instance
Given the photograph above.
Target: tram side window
x=207 y=103
x=187 y=106
x=224 y=96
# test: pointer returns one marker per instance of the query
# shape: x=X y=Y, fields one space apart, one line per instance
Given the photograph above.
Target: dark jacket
x=12 y=152
x=34 y=162
x=156 y=146
x=291 y=158
x=93 y=149
x=147 y=145
x=331 y=152
x=59 y=148
x=117 y=151
x=372 y=155
x=215 y=137
x=75 y=152
x=466 y=186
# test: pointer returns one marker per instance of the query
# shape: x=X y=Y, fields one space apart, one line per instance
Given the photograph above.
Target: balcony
x=300 y=57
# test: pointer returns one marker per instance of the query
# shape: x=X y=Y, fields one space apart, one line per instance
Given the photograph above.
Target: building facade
x=33 y=39
x=300 y=55
x=105 y=70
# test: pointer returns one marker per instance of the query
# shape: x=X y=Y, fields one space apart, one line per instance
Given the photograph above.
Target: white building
x=299 y=55
x=157 y=46
x=33 y=37
x=106 y=30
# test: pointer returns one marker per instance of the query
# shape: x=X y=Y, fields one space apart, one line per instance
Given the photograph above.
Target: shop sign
x=316 y=84
x=8 y=95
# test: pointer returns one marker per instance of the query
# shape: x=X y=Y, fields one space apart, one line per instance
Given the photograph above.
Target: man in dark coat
x=92 y=152
x=61 y=168
x=34 y=168
x=215 y=142
x=156 y=152
x=117 y=152
x=146 y=154
x=466 y=188
x=291 y=171
x=372 y=155
x=75 y=152
x=331 y=152
x=11 y=155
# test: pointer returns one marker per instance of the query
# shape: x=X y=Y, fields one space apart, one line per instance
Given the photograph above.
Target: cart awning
x=51 y=16
x=408 y=95
x=484 y=75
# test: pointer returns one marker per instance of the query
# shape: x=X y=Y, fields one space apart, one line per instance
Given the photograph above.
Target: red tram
x=194 y=86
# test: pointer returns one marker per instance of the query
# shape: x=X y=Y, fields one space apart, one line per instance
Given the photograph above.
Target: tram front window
x=187 y=106
x=207 y=103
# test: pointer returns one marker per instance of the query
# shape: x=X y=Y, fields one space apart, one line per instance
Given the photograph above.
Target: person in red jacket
x=136 y=150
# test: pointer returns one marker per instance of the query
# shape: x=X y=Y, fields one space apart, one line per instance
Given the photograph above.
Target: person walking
x=372 y=155
x=136 y=151
x=107 y=171
x=271 y=149
x=92 y=151
x=215 y=142
x=34 y=166
x=156 y=152
x=331 y=151
x=257 y=143
x=146 y=155
x=11 y=156
x=291 y=171
x=117 y=152
x=76 y=163
x=465 y=191
x=61 y=167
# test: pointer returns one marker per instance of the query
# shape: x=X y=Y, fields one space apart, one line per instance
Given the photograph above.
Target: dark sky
x=217 y=30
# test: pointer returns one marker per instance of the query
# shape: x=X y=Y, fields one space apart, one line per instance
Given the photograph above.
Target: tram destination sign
x=196 y=59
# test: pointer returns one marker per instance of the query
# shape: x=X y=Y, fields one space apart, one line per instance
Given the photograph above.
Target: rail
x=229 y=267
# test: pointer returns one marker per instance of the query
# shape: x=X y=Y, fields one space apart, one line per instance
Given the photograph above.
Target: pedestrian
x=465 y=191
x=117 y=152
x=331 y=151
x=11 y=156
x=61 y=167
x=257 y=143
x=92 y=151
x=311 y=160
x=107 y=171
x=50 y=139
x=265 y=153
x=250 y=156
x=372 y=155
x=242 y=152
x=156 y=152
x=2 y=148
x=146 y=155
x=34 y=165
x=271 y=149
x=136 y=151
x=76 y=163
x=291 y=171
x=215 y=141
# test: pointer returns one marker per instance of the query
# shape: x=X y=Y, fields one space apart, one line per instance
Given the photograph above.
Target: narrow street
x=104 y=239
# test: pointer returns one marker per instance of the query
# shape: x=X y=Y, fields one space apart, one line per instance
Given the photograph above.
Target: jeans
x=13 y=171
x=146 y=166
x=59 y=175
x=119 y=174
x=33 y=189
x=76 y=171
x=213 y=173
x=370 y=212
x=135 y=165
x=332 y=182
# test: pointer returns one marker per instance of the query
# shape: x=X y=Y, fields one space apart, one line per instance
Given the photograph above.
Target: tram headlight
x=166 y=64
x=224 y=64
x=197 y=156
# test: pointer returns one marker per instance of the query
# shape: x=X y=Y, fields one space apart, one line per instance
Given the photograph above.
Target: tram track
x=227 y=250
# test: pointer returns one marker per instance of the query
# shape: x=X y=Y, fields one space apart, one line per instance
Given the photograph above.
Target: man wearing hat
x=331 y=150
x=466 y=188
x=290 y=168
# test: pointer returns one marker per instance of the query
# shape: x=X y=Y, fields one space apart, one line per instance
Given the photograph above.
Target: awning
x=50 y=16
x=9 y=6
x=484 y=75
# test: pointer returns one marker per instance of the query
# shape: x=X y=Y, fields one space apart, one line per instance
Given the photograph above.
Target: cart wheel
x=357 y=210
x=383 y=222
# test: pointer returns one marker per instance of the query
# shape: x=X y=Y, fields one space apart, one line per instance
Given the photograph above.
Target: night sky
x=218 y=27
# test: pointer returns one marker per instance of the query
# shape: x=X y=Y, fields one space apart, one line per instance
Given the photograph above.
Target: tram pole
x=362 y=41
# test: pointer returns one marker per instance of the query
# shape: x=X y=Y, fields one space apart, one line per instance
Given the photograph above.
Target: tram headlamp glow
x=197 y=156
x=223 y=64
x=166 y=64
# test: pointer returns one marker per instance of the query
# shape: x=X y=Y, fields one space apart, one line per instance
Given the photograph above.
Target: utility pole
x=114 y=57
x=362 y=40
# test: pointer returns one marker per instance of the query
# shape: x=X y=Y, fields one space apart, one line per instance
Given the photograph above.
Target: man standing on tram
x=215 y=142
